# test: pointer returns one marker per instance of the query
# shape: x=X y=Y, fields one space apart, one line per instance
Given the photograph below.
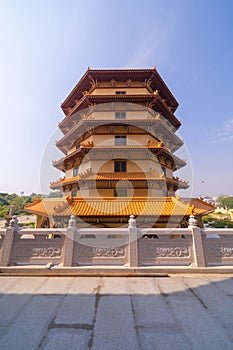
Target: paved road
x=116 y=313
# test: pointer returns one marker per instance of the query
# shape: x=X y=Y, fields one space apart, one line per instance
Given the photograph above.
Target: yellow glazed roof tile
x=158 y=206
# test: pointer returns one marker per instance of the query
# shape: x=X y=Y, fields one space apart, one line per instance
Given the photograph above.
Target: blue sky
x=46 y=46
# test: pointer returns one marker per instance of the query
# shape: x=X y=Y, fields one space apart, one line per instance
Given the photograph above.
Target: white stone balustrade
x=130 y=246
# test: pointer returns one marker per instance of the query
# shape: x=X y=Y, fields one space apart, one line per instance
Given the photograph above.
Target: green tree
x=225 y=201
x=4 y=210
x=55 y=194
x=18 y=202
x=3 y=200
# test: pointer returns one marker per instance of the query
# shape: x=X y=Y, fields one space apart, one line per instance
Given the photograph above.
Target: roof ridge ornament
x=128 y=82
x=112 y=82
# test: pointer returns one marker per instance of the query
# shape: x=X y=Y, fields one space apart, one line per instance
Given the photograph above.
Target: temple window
x=74 y=193
x=120 y=140
x=120 y=166
x=75 y=172
x=120 y=92
x=120 y=115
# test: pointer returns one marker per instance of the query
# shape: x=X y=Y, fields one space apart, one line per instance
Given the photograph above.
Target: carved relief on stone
x=89 y=252
x=220 y=252
x=37 y=252
x=166 y=252
x=46 y=252
x=108 y=252
x=172 y=252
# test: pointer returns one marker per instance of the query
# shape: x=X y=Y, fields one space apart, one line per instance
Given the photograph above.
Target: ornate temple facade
x=119 y=139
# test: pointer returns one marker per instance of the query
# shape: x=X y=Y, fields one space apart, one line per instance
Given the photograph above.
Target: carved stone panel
x=88 y=255
x=171 y=252
x=108 y=252
x=26 y=250
x=167 y=252
x=46 y=252
x=218 y=250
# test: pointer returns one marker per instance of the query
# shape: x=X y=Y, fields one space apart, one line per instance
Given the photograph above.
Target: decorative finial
x=192 y=221
x=132 y=221
x=14 y=222
x=72 y=221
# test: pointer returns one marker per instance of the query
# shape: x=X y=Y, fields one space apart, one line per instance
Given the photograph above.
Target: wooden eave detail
x=149 y=100
x=149 y=77
x=83 y=150
x=78 y=130
x=115 y=177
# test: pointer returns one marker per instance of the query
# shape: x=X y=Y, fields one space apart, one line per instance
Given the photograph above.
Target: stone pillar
x=67 y=259
x=133 y=242
x=8 y=241
x=198 y=249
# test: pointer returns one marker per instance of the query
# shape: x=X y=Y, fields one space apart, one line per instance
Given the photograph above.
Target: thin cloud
x=225 y=134
x=156 y=42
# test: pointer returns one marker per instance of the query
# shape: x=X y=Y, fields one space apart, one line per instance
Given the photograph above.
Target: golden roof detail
x=115 y=206
x=134 y=176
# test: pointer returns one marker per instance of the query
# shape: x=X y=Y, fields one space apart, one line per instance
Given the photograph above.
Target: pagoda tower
x=119 y=139
x=119 y=125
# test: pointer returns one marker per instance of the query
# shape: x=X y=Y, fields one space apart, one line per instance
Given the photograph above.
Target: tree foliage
x=55 y=194
x=225 y=201
x=17 y=202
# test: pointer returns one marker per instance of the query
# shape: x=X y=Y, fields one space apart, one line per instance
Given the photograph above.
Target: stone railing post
x=133 y=242
x=8 y=241
x=69 y=242
x=198 y=249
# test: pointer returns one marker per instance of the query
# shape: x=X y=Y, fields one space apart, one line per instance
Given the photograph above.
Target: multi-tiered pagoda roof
x=119 y=139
